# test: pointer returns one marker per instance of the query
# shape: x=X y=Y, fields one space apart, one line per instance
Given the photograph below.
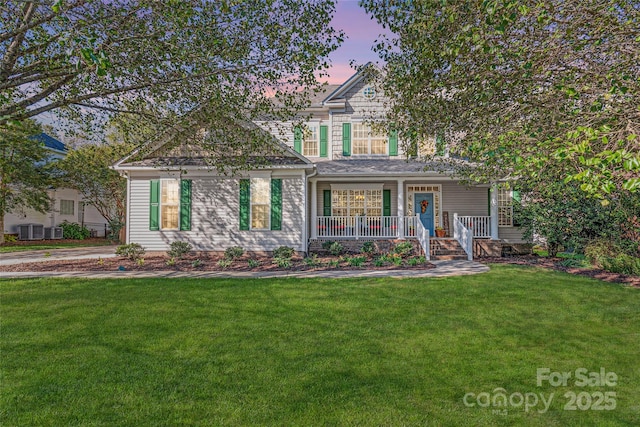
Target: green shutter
x=324 y=140
x=297 y=139
x=276 y=204
x=386 y=202
x=440 y=145
x=245 y=195
x=346 y=139
x=327 y=202
x=185 y=205
x=515 y=195
x=154 y=205
x=393 y=142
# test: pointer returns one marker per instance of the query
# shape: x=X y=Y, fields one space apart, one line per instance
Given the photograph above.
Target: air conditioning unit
x=31 y=232
x=53 y=232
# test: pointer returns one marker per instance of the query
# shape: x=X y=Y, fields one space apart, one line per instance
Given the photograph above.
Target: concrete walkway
x=443 y=269
x=22 y=257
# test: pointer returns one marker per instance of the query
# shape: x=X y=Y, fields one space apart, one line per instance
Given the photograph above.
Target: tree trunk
x=1 y=228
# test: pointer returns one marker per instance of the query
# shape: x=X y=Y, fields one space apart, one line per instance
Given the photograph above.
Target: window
x=169 y=203
x=260 y=203
x=505 y=207
x=310 y=141
x=365 y=141
x=369 y=92
x=356 y=202
x=66 y=207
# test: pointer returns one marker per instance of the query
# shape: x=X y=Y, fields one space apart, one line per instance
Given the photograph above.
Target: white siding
x=215 y=218
x=284 y=132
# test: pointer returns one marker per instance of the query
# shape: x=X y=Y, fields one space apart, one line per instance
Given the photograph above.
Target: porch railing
x=479 y=225
x=366 y=227
x=423 y=237
x=463 y=235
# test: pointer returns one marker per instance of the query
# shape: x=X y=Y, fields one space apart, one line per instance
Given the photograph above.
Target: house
x=335 y=178
x=68 y=204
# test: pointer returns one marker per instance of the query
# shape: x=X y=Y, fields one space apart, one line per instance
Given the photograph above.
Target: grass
x=312 y=352
x=57 y=245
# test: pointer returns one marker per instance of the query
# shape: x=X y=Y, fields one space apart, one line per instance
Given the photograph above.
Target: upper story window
x=367 y=141
x=369 y=92
x=311 y=139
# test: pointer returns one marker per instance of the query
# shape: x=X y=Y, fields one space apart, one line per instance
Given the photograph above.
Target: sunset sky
x=361 y=31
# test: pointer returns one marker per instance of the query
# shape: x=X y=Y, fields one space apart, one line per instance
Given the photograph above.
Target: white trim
x=260 y=174
x=354 y=186
x=436 y=190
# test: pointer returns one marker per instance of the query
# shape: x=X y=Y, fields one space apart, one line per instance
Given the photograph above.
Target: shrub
x=623 y=264
x=131 y=251
x=336 y=249
x=379 y=262
x=599 y=249
x=282 y=262
x=73 y=230
x=224 y=263
x=10 y=238
x=356 y=261
x=179 y=249
x=196 y=263
x=140 y=262
x=416 y=261
x=367 y=248
x=326 y=245
x=253 y=263
x=404 y=249
x=334 y=263
x=233 y=252
x=312 y=261
x=171 y=262
x=283 y=252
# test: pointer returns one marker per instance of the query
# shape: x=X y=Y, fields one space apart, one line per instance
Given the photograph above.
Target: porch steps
x=446 y=249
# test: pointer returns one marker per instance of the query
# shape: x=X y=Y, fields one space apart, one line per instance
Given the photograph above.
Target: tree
x=87 y=169
x=522 y=88
x=89 y=59
x=24 y=179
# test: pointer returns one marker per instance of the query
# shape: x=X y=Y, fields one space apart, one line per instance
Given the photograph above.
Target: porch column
x=494 y=211
x=314 y=209
x=401 y=209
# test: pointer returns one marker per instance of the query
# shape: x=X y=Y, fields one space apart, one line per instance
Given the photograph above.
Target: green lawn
x=61 y=244
x=314 y=352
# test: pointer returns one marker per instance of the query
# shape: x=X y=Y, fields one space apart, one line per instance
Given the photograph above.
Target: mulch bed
x=93 y=241
x=555 y=264
x=208 y=262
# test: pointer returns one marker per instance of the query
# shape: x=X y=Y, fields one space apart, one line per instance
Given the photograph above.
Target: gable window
x=67 y=207
x=366 y=141
x=260 y=204
x=170 y=204
x=369 y=92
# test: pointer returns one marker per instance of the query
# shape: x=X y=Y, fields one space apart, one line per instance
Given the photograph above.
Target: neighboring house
x=67 y=205
x=335 y=179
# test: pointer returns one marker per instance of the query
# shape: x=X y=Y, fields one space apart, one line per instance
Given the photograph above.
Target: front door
x=424 y=207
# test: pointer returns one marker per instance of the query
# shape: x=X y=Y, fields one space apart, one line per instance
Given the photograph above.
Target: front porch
x=389 y=227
